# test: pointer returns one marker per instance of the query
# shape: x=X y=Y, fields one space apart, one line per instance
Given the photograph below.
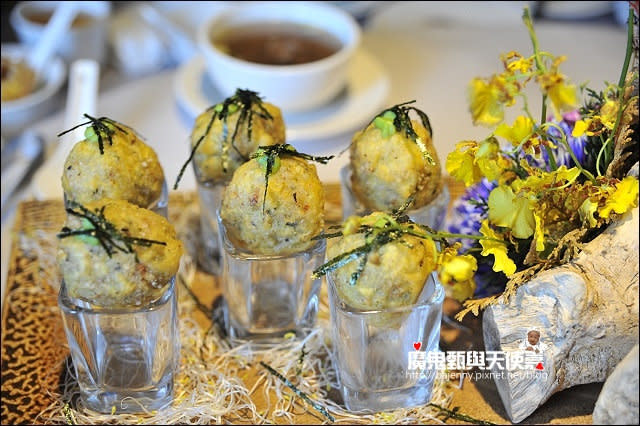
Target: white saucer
x=364 y=96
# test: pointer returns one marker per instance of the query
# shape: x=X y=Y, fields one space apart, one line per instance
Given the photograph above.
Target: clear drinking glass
x=268 y=296
x=124 y=358
x=381 y=355
x=432 y=215
x=210 y=199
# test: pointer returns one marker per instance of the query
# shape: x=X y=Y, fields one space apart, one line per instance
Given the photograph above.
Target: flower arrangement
x=537 y=190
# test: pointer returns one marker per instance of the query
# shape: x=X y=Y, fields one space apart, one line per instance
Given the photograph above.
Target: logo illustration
x=532 y=342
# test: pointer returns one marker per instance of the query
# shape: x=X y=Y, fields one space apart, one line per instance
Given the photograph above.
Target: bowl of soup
x=296 y=55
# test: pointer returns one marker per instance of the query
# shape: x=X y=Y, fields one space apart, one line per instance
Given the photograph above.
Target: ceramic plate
x=364 y=96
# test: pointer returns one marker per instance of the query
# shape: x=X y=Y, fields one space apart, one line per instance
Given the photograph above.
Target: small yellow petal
x=539 y=233
x=580 y=128
x=462 y=291
x=502 y=262
x=517 y=133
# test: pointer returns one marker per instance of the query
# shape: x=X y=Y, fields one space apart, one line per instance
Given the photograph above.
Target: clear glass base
x=269 y=296
x=210 y=198
x=381 y=355
x=128 y=382
x=433 y=214
x=375 y=401
x=272 y=311
x=126 y=357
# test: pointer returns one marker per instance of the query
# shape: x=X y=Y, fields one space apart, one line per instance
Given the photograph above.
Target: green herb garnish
x=96 y=226
x=396 y=119
x=457 y=415
x=99 y=129
x=269 y=159
x=386 y=229
x=301 y=357
x=241 y=102
x=298 y=392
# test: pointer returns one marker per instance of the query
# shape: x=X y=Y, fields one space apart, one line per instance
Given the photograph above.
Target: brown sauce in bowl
x=277 y=44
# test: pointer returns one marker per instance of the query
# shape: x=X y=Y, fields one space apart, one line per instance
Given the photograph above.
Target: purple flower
x=468 y=212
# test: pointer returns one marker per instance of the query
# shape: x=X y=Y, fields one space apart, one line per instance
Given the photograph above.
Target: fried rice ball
x=128 y=169
x=394 y=275
x=385 y=172
x=209 y=158
x=119 y=280
x=293 y=211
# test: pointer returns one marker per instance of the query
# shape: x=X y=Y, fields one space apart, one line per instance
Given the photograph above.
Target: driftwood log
x=585 y=311
x=618 y=401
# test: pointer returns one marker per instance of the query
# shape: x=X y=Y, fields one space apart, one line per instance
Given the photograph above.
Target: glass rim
x=163 y=198
x=238 y=252
x=436 y=298
x=69 y=304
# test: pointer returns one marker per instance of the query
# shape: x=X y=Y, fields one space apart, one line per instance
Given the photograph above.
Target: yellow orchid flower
x=586 y=211
x=516 y=63
x=609 y=114
x=485 y=103
x=542 y=179
x=522 y=128
x=459 y=268
x=471 y=161
x=512 y=211
x=461 y=163
x=457 y=271
x=623 y=198
x=462 y=291
x=498 y=249
x=489 y=160
x=563 y=97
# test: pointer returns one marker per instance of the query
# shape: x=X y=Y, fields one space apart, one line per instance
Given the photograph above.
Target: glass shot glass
x=381 y=356
x=126 y=357
x=268 y=296
x=210 y=200
x=433 y=214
